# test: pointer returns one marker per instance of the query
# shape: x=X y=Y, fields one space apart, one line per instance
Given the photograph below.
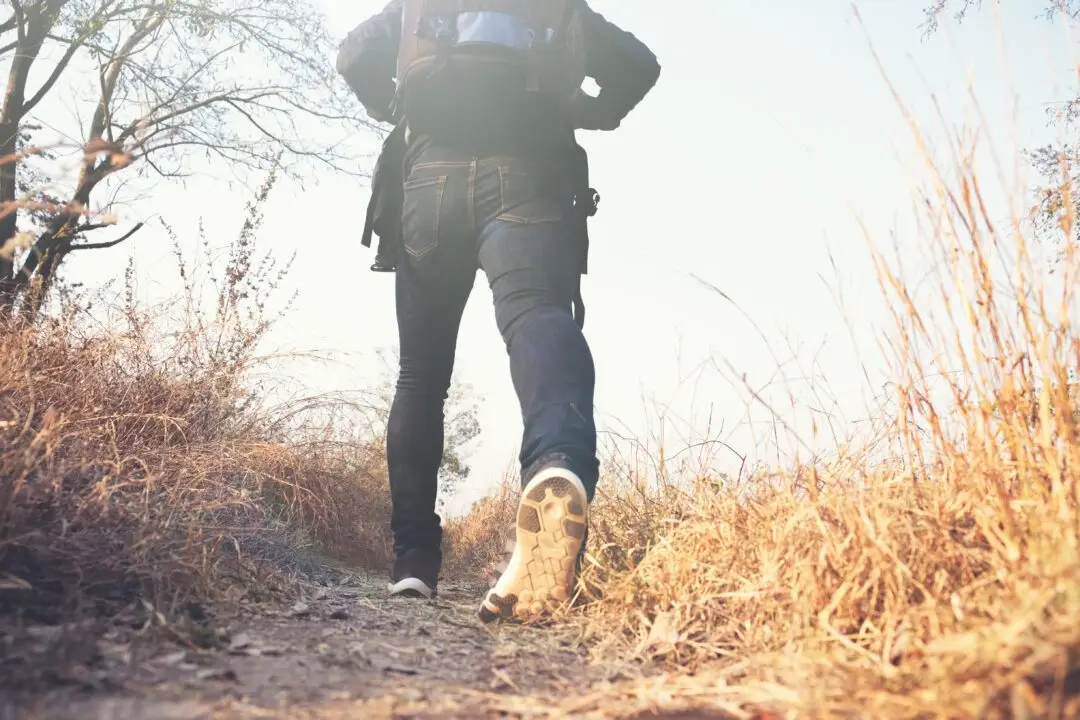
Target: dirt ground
x=343 y=650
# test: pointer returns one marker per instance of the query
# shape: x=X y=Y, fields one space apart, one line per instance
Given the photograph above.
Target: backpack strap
x=444 y=37
x=567 y=17
x=532 y=75
x=586 y=201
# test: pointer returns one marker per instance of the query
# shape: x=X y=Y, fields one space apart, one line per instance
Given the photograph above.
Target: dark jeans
x=507 y=216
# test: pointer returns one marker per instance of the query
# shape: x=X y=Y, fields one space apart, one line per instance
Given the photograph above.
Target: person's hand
x=591 y=113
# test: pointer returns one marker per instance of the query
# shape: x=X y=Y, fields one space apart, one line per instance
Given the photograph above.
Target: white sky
x=770 y=128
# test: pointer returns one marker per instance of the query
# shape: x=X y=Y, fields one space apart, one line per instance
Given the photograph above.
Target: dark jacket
x=624 y=70
x=622 y=66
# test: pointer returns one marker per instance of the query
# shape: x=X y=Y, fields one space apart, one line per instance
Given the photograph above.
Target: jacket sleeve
x=624 y=68
x=367 y=59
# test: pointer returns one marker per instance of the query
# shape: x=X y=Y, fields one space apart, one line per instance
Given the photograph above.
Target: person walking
x=486 y=96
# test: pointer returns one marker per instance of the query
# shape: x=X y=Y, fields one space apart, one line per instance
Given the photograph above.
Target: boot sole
x=551 y=522
x=412 y=588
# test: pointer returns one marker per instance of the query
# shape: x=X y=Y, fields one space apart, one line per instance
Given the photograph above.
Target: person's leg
x=435 y=274
x=528 y=251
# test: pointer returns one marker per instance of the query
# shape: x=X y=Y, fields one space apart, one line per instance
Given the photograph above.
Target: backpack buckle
x=443 y=32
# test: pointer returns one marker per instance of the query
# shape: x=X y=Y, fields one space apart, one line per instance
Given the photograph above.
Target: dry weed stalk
x=944 y=584
x=137 y=460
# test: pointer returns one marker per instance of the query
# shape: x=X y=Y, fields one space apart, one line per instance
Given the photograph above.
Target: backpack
x=463 y=60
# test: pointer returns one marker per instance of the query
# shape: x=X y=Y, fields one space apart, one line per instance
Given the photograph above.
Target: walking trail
x=343 y=650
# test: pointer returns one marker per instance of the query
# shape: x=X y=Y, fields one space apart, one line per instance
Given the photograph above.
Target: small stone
x=241 y=641
x=217 y=674
x=172 y=658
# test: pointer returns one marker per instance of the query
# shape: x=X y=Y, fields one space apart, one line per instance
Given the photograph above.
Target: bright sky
x=769 y=131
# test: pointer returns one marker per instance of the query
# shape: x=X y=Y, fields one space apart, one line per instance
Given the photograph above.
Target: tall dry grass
x=944 y=582
x=139 y=460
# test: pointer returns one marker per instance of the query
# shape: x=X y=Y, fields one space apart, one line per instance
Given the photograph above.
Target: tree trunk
x=33 y=25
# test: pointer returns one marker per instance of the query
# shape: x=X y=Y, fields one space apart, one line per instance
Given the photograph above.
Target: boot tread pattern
x=551 y=523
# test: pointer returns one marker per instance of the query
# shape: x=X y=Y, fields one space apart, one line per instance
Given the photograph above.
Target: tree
x=462 y=427
x=960 y=8
x=174 y=82
x=461 y=423
x=1057 y=165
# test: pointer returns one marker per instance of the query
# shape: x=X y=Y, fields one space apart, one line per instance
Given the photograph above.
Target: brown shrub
x=136 y=459
x=118 y=479
x=476 y=542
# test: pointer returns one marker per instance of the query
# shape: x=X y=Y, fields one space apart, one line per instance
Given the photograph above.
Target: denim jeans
x=511 y=218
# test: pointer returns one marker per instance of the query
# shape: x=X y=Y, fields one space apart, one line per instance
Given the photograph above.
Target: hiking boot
x=415 y=574
x=495 y=570
x=551 y=522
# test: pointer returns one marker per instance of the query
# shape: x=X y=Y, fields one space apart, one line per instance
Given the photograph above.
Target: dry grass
x=944 y=582
x=476 y=542
x=137 y=462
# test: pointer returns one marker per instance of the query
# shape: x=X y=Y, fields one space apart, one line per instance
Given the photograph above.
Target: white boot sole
x=411 y=587
x=540 y=576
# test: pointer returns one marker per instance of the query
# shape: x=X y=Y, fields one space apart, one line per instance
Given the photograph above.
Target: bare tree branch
x=172 y=97
x=103 y=245
x=9 y=24
x=61 y=65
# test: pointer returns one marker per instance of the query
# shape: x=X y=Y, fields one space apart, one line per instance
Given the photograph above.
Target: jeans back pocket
x=421 y=209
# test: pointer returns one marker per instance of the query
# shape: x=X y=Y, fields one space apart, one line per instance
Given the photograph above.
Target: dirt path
x=344 y=650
